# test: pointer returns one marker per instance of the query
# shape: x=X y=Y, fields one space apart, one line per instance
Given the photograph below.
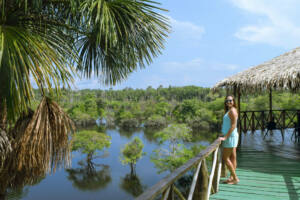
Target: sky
x=211 y=40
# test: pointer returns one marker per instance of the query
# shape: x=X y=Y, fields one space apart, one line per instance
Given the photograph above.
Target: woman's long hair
x=225 y=106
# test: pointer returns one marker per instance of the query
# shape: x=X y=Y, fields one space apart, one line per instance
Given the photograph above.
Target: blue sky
x=213 y=39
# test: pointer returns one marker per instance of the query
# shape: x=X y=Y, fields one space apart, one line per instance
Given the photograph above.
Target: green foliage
x=155 y=121
x=164 y=161
x=88 y=141
x=176 y=154
x=108 y=39
x=195 y=106
x=174 y=133
x=162 y=108
x=186 y=110
x=132 y=151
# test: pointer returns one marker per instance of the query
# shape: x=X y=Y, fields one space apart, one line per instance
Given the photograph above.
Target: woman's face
x=229 y=101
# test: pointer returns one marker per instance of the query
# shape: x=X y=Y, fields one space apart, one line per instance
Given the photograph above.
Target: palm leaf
x=44 y=142
x=123 y=35
x=28 y=54
x=5 y=147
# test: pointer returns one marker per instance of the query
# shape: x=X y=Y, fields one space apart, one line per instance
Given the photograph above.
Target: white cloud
x=196 y=65
x=185 y=30
x=277 y=22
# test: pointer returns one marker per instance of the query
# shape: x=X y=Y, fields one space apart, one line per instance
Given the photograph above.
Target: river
x=107 y=178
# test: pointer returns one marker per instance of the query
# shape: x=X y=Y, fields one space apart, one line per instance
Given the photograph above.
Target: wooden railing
x=256 y=120
x=203 y=183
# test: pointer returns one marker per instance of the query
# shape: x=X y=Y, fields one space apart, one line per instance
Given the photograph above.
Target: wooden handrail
x=254 y=120
x=164 y=185
x=269 y=110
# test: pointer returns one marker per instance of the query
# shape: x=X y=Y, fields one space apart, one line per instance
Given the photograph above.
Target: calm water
x=106 y=179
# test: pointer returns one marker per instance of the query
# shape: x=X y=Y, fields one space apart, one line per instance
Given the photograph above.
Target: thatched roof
x=282 y=72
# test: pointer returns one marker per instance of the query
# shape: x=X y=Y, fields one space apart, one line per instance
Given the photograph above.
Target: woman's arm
x=233 y=115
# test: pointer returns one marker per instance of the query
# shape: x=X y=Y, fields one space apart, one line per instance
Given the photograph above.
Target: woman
x=230 y=138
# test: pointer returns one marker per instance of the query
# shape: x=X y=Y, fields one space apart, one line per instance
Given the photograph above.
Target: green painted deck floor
x=263 y=176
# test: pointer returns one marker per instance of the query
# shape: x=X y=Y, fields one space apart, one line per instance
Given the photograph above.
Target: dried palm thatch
x=281 y=73
x=42 y=140
x=5 y=146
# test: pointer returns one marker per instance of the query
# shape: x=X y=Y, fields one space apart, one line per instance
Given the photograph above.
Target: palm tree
x=48 y=42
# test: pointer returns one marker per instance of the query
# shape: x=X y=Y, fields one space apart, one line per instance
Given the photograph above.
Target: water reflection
x=13 y=180
x=200 y=136
x=149 y=134
x=131 y=184
x=128 y=132
x=89 y=176
x=17 y=193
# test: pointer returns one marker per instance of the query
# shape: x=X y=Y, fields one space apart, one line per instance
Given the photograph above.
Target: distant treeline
x=198 y=107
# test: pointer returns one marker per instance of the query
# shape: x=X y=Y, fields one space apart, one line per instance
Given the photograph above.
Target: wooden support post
x=211 y=176
x=239 y=119
x=178 y=193
x=298 y=126
x=283 y=119
x=245 y=122
x=252 y=122
x=165 y=194
x=195 y=179
x=234 y=91
x=270 y=104
x=217 y=174
x=263 y=121
x=171 y=193
x=202 y=183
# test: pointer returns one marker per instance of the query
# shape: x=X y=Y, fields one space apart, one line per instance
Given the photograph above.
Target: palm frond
x=26 y=56
x=5 y=146
x=44 y=142
x=123 y=35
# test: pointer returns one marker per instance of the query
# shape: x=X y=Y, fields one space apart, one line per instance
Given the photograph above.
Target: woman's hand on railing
x=222 y=138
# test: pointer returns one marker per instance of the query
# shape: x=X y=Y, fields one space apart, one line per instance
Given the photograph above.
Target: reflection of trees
x=16 y=193
x=14 y=178
x=149 y=134
x=203 y=136
x=128 y=132
x=90 y=176
x=132 y=184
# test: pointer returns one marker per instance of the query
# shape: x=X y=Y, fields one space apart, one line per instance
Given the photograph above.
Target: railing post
x=262 y=121
x=195 y=180
x=217 y=173
x=283 y=119
x=171 y=193
x=211 y=176
x=165 y=194
x=298 y=125
x=245 y=122
x=202 y=183
x=252 y=122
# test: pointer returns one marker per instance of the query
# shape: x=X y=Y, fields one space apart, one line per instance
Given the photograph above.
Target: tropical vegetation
x=46 y=44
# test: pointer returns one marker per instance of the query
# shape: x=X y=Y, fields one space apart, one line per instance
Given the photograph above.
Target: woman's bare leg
x=233 y=161
x=233 y=158
x=227 y=152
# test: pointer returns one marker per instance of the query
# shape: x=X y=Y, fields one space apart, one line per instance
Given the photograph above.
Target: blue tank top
x=227 y=124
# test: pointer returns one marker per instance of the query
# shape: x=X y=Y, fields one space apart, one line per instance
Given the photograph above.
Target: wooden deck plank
x=263 y=176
